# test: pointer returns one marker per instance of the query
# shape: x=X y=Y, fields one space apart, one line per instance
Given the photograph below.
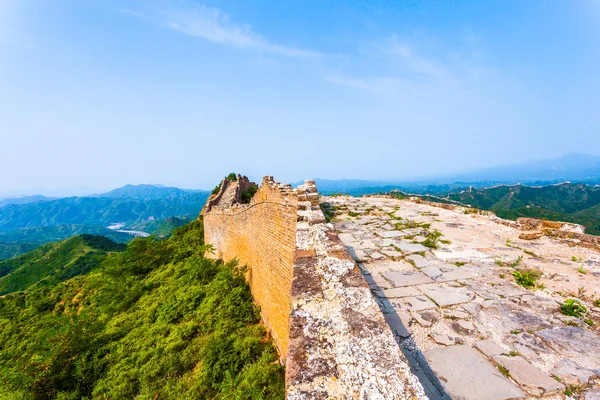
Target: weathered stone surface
x=575 y=344
x=444 y=296
x=418 y=303
x=423 y=322
x=381 y=281
x=456 y=314
x=489 y=348
x=400 y=292
x=392 y=234
x=432 y=271
x=463 y=327
x=531 y=347
x=468 y=375
x=376 y=256
x=387 y=243
x=407 y=278
x=419 y=260
x=458 y=273
x=497 y=308
x=392 y=253
x=572 y=374
x=531 y=379
x=410 y=248
x=443 y=339
x=592 y=393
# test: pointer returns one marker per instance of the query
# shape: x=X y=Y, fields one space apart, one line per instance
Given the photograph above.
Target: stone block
x=410 y=278
x=418 y=303
x=445 y=296
x=419 y=260
x=466 y=374
x=572 y=374
x=400 y=292
x=531 y=379
x=489 y=348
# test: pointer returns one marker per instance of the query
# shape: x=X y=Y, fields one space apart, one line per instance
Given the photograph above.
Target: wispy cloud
x=393 y=64
x=214 y=25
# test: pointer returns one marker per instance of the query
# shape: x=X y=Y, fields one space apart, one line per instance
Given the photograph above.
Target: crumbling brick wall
x=323 y=319
x=262 y=235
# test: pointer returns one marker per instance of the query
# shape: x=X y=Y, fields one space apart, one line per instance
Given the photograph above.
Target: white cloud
x=212 y=24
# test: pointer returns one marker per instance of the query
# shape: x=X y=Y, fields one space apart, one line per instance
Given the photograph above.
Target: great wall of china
x=405 y=299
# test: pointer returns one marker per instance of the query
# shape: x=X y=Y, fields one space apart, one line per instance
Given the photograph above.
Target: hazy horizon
x=95 y=95
x=431 y=179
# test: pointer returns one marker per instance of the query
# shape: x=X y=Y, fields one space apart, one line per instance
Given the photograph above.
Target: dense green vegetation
x=156 y=321
x=567 y=202
x=55 y=262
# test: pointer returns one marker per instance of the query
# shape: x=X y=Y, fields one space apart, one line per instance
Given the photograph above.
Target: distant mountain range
x=582 y=168
x=28 y=222
x=24 y=200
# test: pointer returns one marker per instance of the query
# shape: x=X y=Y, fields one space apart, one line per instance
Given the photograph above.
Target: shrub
x=527 y=277
x=573 y=308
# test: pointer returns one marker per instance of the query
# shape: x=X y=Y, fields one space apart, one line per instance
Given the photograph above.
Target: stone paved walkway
x=445 y=281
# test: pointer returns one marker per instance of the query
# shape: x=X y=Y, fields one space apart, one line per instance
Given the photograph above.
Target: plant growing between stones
x=516 y=263
x=504 y=371
x=527 y=277
x=573 y=308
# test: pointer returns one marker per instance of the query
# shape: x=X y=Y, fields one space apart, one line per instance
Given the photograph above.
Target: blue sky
x=96 y=94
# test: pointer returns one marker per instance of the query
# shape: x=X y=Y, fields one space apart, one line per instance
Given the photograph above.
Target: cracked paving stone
x=409 y=248
x=432 y=272
x=444 y=296
x=581 y=346
x=489 y=348
x=466 y=374
x=463 y=327
x=409 y=278
x=531 y=379
x=571 y=373
x=418 y=303
x=442 y=339
x=400 y=292
x=419 y=260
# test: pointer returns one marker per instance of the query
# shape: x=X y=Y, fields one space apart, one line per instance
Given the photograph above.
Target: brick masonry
x=314 y=300
x=262 y=235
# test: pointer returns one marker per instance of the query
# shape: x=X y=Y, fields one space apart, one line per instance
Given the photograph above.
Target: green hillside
x=567 y=202
x=55 y=262
x=156 y=321
x=10 y=250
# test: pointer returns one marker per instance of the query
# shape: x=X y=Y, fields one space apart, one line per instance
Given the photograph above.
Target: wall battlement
x=314 y=301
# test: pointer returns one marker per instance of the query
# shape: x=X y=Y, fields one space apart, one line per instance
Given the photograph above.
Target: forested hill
x=568 y=202
x=155 y=321
x=55 y=262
